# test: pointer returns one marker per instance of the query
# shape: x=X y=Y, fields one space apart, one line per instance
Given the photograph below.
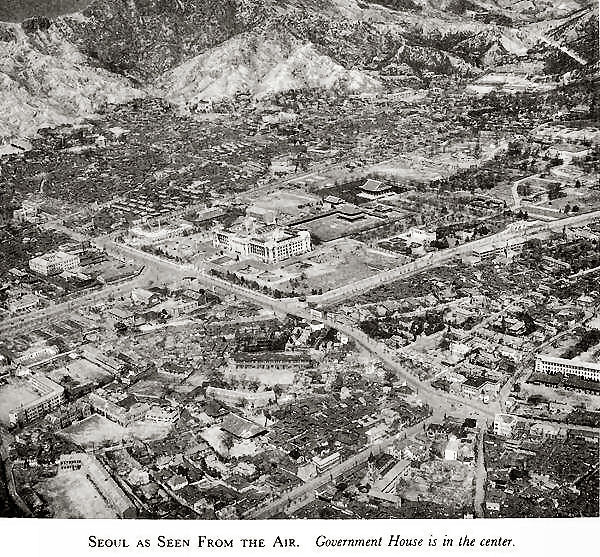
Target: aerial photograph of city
x=299 y=259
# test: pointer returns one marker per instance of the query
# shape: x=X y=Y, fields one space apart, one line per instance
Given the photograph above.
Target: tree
x=228 y=443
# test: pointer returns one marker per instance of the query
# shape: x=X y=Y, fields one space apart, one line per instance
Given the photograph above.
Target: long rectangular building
x=553 y=366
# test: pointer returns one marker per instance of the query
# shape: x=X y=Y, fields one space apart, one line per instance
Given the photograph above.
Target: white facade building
x=54 y=263
x=271 y=245
x=553 y=366
x=504 y=424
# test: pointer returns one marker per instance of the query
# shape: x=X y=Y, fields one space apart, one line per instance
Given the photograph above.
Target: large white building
x=553 y=366
x=271 y=244
x=54 y=263
x=43 y=396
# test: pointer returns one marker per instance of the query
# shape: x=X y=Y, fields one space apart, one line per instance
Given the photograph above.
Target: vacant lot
x=72 y=495
x=95 y=431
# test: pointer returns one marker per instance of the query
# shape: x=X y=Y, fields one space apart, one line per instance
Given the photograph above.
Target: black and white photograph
x=333 y=260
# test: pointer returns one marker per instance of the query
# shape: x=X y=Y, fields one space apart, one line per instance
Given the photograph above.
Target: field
x=332 y=266
x=72 y=495
x=12 y=395
x=80 y=372
x=333 y=226
x=346 y=261
x=96 y=431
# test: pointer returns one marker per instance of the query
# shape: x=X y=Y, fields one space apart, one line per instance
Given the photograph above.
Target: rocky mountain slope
x=260 y=64
x=57 y=67
x=45 y=80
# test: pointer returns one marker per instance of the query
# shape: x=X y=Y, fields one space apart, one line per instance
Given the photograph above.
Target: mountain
x=67 y=58
x=46 y=80
x=260 y=64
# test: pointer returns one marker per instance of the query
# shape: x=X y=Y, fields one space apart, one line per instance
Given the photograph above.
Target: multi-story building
x=233 y=397
x=270 y=244
x=123 y=412
x=36 y=352
x=48 y=397
x=504 y=424
x=54 y=263
x=326 y=463
x=147 y=235
x=276 y=361
x=27 y=212
x=553 y=366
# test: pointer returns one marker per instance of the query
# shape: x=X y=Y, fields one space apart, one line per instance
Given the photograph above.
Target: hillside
x=45 y=80
x=261 y=65
x=72 y=56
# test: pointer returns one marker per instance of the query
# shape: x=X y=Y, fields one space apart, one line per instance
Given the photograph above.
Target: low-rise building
x=568 y=152
x=162 y=415
x=374 y=189
x=233 y=397
x=54 y=263
x=505 y=424
x=278 y=361
x=24 y=304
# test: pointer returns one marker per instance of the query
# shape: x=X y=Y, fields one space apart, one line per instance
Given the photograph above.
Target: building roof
x=476 y=382
x=375 y=186
x=349 y=209
x=269 y=357
x=570 y=148
x=563 y=361
x=241 y=427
